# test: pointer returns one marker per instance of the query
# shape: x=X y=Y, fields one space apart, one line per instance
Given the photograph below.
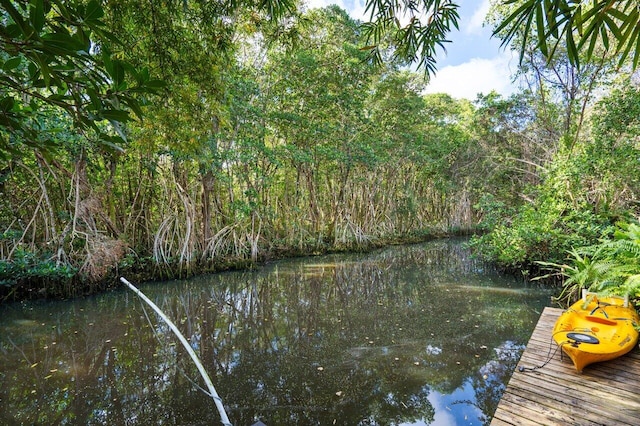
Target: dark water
x=411 y=335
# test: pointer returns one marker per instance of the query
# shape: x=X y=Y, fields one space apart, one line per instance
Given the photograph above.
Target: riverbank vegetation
x=196 y=136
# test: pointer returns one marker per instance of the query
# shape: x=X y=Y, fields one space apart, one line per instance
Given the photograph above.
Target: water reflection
x=408 y=335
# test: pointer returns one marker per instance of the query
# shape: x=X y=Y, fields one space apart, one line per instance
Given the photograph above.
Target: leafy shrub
x=26 y=265
x=611 y=266
x=546 y=230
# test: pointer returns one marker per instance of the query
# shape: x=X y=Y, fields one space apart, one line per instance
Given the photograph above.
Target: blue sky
x=474 y=62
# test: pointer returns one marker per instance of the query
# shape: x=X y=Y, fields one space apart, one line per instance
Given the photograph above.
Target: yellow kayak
x=596 y=329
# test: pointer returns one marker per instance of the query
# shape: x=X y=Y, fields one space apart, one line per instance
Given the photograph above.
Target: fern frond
x=631 y=286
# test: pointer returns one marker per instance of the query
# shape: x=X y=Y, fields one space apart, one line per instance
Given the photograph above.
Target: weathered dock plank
x=606 y=393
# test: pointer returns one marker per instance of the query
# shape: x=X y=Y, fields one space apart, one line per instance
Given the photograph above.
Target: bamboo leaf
x=612 y=27
x=115 y=115
x=524 y=39
x=517 y=17
x=590 y=34
x=36 y=15
x=628 y=45
x=605 y=37
x=7 y=103
x=572 y=51
x=134 y=106
x=592 y=44
x=17 y=18
x=93 y=11
x=541 y=29
x=636 y=56
x=12 y=63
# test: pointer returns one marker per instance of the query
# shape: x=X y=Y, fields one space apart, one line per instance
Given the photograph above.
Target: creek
x=408 y=335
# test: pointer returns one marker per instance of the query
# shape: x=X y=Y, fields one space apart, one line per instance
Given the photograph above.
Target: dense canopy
x=189 y=136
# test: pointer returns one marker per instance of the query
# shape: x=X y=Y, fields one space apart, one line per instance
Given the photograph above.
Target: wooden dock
x=606 y=393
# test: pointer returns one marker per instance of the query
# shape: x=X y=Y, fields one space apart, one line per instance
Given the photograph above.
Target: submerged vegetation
x=194 y=136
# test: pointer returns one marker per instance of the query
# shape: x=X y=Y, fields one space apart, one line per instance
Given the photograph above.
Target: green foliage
x=61 y=54
x=611 y=266
x=619 y=114
x=615 y=150
x=26 y=265
x=512 y=243
x=559 y=217
x=623 y=253
x=580 y=272
x=300 y=145
x=415 y=30
x=515 y=139
x=581 y=192
x=427 y=26
x=57 y=56
x=579 y=26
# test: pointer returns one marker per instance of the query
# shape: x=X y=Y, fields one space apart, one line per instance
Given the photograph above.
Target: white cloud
x=477 y=20
x=357 y=11
x=319 y=4
x=475 y=76
x=355 y=8
x=442 y=415
x=313 y=4
x=464 y=80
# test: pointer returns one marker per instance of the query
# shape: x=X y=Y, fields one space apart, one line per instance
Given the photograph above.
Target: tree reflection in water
x=400 y=336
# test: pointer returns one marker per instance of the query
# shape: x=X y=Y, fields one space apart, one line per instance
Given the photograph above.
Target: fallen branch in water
x=212 y=391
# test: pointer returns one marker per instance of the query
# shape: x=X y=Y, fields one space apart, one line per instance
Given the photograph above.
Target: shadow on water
x=419 y=334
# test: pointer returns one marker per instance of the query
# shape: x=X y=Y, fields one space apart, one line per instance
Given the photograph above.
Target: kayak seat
x=601 y=320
